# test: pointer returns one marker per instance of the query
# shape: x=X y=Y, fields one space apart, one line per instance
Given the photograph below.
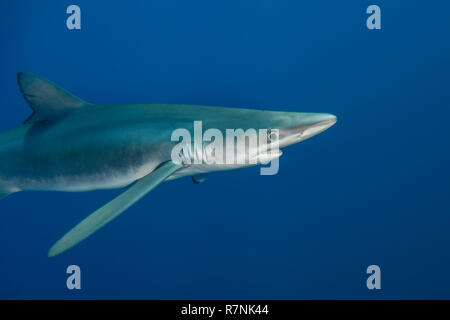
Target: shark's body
x=70 y=145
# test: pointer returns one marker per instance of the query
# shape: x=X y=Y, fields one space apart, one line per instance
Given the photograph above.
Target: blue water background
x=373 y=189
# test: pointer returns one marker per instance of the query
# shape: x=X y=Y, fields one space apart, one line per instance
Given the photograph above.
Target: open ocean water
x=372 y=190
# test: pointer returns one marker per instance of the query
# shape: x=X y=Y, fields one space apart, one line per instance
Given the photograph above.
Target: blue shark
x=68 y=144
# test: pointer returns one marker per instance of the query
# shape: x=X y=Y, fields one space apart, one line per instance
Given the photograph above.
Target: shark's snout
x=317 y=126
x=304 y=126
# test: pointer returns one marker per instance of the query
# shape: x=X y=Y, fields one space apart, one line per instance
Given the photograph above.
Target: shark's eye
x=272 y=135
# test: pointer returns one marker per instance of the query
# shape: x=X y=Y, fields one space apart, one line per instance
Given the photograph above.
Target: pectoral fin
x=112 y=209
x=45 y=98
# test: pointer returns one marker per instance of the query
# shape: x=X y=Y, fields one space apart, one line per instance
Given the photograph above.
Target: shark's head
x=295 y=127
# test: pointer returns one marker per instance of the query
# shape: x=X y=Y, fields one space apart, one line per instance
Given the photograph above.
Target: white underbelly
x=107 y=179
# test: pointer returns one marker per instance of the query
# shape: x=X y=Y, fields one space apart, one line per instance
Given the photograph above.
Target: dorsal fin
x=47 y=100
x=4 y=193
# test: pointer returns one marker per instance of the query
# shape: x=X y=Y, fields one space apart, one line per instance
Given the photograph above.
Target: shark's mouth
x=316 y=129
x=267 y=156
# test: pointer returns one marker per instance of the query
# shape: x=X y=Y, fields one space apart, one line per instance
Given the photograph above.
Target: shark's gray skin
x=68 y=144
